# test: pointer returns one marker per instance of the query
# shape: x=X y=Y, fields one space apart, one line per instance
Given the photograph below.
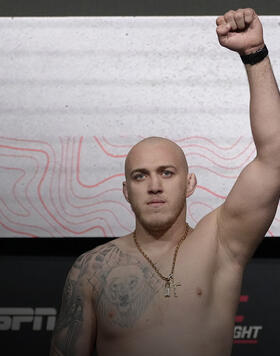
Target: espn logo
x=41 y=318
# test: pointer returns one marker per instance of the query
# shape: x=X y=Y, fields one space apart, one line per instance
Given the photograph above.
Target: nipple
x=111 y=315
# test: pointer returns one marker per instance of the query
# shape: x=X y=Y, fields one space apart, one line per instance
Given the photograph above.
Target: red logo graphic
x=245 y=334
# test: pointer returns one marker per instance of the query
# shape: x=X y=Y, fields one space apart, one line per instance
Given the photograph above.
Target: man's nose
x=155 y=185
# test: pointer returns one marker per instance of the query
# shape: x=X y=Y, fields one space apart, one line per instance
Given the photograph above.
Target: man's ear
x=125 y=192
x=191 y=184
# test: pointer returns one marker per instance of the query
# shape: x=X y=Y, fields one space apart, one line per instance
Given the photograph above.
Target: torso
x=135 y=318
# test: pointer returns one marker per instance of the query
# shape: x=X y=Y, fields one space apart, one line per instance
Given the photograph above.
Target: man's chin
x=157 y=225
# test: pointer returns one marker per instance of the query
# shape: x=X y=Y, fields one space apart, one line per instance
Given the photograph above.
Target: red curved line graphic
x=21 y=224
x=31 y=203
x=88 y=197
x=52 y=199
x=210 y=141
x=96 y=203
x=220 y=165
x=10 y=210
x=40 y=196
x=44 y=174
x=76 y=223
x=64 y=209
x=14 y=193
x=182 y=146
x=211 y=192
x=186 y=146
x=21 y=233
x=202 y=203
x=214 y=172
x=37 y=168
x=270 y=233
x=92 y=204
x=114 y=145
x=78 y=171
x=204 y=139
x=27 y=188
x=197 y=203
x=216 y=154
x=50 y=171
x=106 y=152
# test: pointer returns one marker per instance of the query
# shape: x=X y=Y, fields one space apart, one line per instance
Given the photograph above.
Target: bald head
x=148 y=147
x=156 y=168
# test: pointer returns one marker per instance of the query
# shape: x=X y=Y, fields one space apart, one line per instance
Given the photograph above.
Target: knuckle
x=239 y=15
x=230 y=15
x=249 y=12
x=219 y=20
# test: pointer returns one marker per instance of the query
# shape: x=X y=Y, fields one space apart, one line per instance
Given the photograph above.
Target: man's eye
x=139 y=176
x=167 y=173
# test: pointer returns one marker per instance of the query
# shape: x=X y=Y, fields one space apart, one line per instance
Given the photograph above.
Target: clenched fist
x=240 y=31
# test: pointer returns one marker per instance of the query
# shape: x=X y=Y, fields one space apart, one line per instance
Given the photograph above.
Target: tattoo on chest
x=126 y=286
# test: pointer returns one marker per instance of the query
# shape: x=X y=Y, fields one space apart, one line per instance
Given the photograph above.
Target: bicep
x=74 y=333
x=249 y=209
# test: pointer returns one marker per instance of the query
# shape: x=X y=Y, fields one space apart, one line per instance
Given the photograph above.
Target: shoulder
x=93 y=266
x=94 y=259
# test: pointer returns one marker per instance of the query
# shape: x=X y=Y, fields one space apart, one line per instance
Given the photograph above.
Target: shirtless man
x=124 y=297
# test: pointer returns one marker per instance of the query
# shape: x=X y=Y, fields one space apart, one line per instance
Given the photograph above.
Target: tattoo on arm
x=70 y=318
x=72 y=306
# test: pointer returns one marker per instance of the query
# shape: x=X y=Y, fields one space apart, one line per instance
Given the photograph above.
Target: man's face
x=156 y=183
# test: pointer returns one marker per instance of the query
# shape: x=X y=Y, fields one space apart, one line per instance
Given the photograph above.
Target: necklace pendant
x=174 y=285
x=169 y=281
x=167 y=289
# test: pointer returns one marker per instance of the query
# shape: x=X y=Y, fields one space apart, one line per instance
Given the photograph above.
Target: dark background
x=33 y=272
x=132 y=7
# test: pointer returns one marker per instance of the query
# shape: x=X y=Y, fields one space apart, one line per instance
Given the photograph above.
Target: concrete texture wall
x=77 y=93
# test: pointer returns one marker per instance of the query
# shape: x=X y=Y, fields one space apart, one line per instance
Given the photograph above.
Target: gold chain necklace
x=169 y=281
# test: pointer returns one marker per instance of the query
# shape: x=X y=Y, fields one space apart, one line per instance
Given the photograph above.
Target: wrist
x=255 y=57
x=251 y=50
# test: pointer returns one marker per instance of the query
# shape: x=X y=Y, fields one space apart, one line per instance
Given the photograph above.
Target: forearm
x=241 y=31
x=265 y=111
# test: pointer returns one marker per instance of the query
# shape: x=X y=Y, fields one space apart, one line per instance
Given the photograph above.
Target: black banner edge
x=75 y=246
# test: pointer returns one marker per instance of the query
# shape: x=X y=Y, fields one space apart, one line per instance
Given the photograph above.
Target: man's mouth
x=156 y=203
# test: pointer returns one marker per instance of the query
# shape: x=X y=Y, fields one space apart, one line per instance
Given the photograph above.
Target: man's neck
x=167 y=236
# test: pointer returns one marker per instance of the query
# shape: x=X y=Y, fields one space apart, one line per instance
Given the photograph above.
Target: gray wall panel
x=77 y=92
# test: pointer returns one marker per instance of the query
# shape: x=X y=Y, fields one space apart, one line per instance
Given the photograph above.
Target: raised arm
x=250 y=207
x=75 y=330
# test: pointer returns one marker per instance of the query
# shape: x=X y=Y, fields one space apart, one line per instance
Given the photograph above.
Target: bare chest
x=134 y=297
x=137 y=310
